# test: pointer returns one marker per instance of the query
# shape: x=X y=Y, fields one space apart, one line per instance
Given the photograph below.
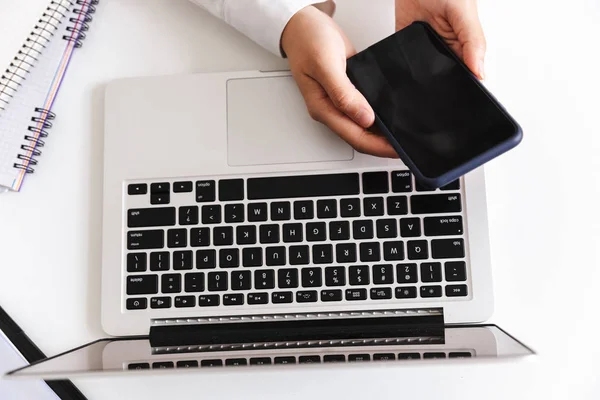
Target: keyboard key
x=417 y=249
x=434 y=355
x=160 y=302
x=359 y=357
x=161 y=198
x=138 y=366
x=421 y=188
x=373 y=206
x=236 y=362
x=275 y=256
x=171 y=283
x=285 y=187
x=258 y=298
x=326 y=209
x=387 y=228
x=260 y=361
x=257 y=212
x=223 y=236
x=362 y=229
x=148 y=217
x=309 y=359
x=307 y=296
x=163 y=365
x=339 y=230
x=160 y=187
x=264 y=279
x=397 y=205
x=188 y=215
x=406 y=273
x=303 y=209
x=369 y=252
x=233 y=299
x=292 y=233
x=401 y=181
x=182 y=260
x=322 y=254
x=200 y=237
x=330 y=358
x=252 y=257
x=145 y=240
x=431 y=272
x=345 y=252
x=217 y=281
x=459 y=354
x=185 y=301
x=231 y=189
x=409 y=356
x=298 y=255
x=211 y=363
x=281 y=211
x=350 y=208
x=409 y=292
x=375 y=182
x=410 y=227
x=282 y=297
x=246 y=234
x=194 y=282
x=177 y=238
x=234 y=213
x=311 y=277
x=205 y=191
x=269 y=233
x=241 y=280
x=359 y=275
x=136 y=262
x=137 y=304
x=435 y=203
x=142 y=284
x=443 y=226
x=315 y=231
x=229 y=258
x=187 y=363
x=456 y=290
x=393 y=251
x=287 y=278
x=211 y=214
x=383 y=274
x=381 y=293
x=454 y=185
x=285 y=360
x=183 y=187
x=447 y=248
x=335 y=276
x=455 y=271
x=431 y=291
x=137 y=188
x=209 y=300
x=356 y=294
x=206 y=259
x=384 y=357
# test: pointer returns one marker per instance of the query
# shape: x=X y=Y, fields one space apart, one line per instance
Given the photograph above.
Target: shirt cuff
x=263 y=21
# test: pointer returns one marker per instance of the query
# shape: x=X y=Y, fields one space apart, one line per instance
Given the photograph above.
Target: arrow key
x=160 y=302
x=185 y=301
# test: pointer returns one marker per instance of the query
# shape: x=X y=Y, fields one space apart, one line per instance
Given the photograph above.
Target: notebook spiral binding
x=43 y=32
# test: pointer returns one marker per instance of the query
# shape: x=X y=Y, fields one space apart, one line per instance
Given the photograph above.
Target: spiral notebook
x=30 y=85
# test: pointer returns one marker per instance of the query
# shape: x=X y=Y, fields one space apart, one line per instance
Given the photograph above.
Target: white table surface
x=543 y=198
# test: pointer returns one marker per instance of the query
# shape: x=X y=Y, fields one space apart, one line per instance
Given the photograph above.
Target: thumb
x=344 y=96
x=466 y=24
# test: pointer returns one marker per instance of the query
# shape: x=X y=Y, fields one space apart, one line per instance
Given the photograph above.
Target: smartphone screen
x=428 y=101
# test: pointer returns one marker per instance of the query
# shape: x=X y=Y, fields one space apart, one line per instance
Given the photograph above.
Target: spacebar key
x=281 y=187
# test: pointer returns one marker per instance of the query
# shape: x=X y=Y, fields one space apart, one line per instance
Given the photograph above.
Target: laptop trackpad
x=267 y=123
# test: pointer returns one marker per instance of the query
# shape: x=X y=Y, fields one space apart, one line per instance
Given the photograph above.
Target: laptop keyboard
x=321 y=239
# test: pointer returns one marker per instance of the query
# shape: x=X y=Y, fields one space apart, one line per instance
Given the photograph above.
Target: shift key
x=435 y=203
x=142 y=240
x=149 y=217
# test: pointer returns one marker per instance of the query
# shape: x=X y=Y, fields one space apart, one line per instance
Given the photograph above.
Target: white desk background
x=544 y=198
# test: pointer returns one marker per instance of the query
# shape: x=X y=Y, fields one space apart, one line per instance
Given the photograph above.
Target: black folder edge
x=64 y=389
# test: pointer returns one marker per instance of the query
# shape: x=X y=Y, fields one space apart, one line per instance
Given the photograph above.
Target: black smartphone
x=439 y=118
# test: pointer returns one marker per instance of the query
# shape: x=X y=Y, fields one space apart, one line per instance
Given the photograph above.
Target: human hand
x=457 y=21
x=317 y=50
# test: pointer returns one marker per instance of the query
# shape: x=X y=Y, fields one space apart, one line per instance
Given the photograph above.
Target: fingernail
x=364 y=117
x=481 y=71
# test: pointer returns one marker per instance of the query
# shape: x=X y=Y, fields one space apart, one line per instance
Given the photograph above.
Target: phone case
x=434 y=182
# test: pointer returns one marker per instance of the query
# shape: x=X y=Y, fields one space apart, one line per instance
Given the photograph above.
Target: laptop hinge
x=253 y=330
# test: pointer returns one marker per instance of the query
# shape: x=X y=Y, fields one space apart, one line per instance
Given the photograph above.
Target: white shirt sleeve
x=263 y=21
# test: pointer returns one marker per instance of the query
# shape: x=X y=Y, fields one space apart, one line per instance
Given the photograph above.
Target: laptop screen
x=137 y=356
